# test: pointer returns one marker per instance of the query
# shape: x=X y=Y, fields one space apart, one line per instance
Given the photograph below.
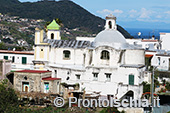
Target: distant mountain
x=71 y=14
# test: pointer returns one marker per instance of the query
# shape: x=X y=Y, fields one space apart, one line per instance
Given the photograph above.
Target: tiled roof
x=33 y=71
x=17 y=52
x=148 y=55
x=68 y=43
x=50 y=78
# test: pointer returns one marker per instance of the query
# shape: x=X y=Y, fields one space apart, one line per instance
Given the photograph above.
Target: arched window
x=52 y=35
x=105 y=55
x=66 y=54
x=110 y=24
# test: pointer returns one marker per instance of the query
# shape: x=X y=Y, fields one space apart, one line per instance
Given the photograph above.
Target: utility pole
x=152 y=95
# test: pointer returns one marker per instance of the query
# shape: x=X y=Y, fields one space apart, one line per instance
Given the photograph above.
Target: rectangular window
x=6 y=57
x=95 y=76
x=66 y=54
x=159 y=60
x=46 y=87
x=55 y=73
x=13 y=59
x=77 y=77
x=108 y=77
x=24 y=60
x=25 y=86
x=131 y=79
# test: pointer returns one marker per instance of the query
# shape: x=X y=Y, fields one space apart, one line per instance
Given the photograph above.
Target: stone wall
x=34 y=80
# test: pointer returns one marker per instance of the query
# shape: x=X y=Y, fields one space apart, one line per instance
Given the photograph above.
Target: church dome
x=110 y=36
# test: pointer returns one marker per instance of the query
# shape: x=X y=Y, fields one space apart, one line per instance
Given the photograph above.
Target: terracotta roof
x=17 y=52
x=162 y=33
x=149 y=40
x=50 y=78
x=33 y=71
x=148 y=56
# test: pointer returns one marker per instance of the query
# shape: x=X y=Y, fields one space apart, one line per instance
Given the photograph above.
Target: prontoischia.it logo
x=59 y=102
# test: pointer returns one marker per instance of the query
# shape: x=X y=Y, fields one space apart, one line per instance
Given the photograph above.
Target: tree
x=8 y=98
x=146 y=87
x=59 y=21
x=167 y=86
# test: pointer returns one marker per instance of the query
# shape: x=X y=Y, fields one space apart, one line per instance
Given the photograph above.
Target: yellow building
x=41 y=52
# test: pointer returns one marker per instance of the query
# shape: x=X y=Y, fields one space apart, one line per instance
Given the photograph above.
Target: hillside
x=71 y=14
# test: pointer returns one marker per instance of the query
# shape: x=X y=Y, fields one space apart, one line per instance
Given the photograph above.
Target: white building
x=165 y=39
x=108 y=65
x=161 y=58
x=91 y=39
x=147 y=44
x=20 y=59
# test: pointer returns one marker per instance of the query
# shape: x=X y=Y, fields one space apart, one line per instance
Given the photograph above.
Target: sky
x=130 y=13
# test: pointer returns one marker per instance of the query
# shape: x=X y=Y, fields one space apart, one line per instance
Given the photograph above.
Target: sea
x=146 y=33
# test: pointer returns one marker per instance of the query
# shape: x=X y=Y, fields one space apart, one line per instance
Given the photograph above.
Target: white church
x=108 y=65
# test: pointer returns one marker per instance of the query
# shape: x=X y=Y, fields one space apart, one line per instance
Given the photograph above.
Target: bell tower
x=53 y=31
x=110 y=22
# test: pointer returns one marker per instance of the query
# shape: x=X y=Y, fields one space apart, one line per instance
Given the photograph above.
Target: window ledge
x=66 y=58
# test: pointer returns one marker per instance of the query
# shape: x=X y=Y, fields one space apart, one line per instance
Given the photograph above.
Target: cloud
x=158 y=16
x=145 y=13
x=105 y=12
x=117 y=11
x=167 y=12
x=142 y=14
x=132 y=13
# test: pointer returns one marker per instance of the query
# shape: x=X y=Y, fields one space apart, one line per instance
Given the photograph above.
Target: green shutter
x=131 y=79
x=24 y=60
x=6 y=57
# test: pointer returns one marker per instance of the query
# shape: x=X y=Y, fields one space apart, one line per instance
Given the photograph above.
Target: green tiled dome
x=53 y=26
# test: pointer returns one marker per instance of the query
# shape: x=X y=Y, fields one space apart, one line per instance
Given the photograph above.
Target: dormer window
x=66 y=55
x=105 y=55
x=52 y=35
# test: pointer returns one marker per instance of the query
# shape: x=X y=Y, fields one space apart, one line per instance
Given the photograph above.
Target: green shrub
x=8 y=98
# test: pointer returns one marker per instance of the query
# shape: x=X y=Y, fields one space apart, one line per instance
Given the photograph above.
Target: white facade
x=20 y=59
x=165 y=39
x=162 y=61
x=101 y=66
x=91 y=39
x=147 y=44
